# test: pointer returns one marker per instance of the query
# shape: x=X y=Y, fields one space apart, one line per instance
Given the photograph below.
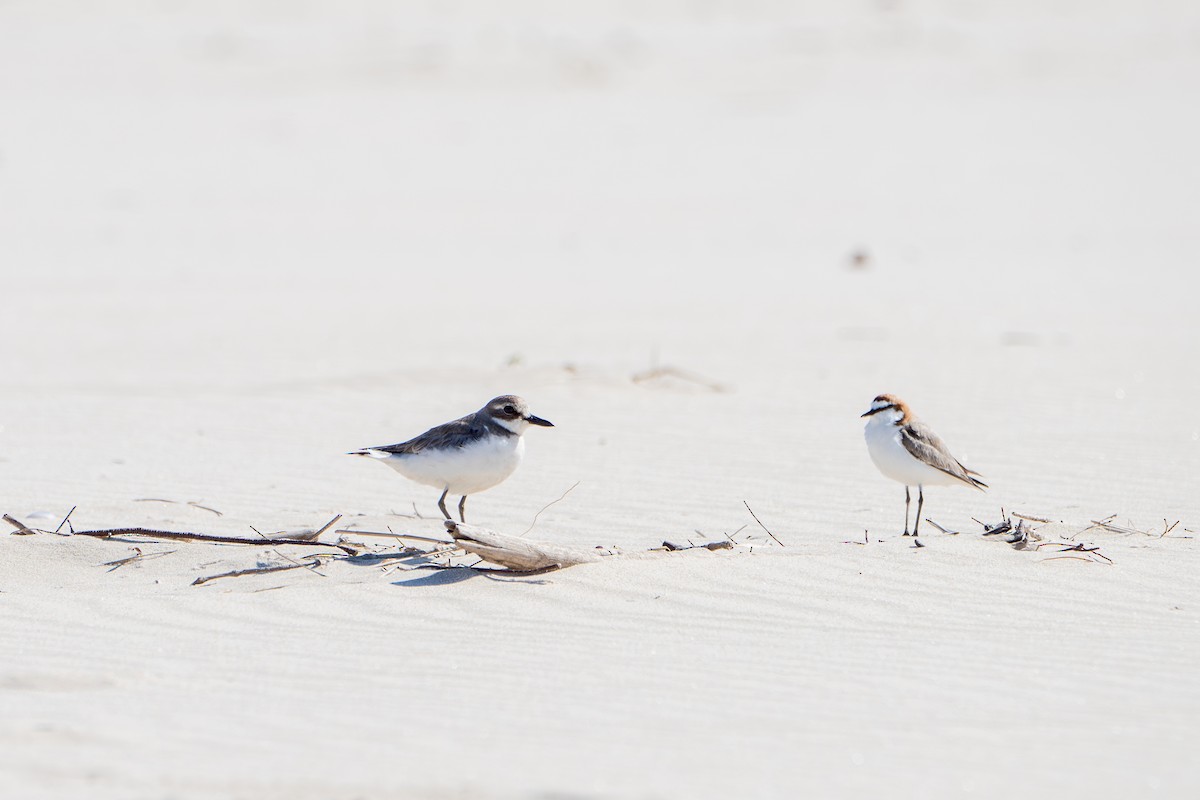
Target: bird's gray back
x=456 y=434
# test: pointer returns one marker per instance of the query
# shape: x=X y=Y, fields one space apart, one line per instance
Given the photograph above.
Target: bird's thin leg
x=920 y=502
x=462 y=508
x=907 y=501
x=442 y=505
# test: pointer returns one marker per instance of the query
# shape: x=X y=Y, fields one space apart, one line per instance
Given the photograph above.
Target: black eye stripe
x=874 y=411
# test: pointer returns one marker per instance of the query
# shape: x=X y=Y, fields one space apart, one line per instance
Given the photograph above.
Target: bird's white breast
x=894 y=461
x=463 y=470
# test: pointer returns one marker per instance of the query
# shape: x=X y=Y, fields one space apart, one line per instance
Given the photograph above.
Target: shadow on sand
x=441 y=577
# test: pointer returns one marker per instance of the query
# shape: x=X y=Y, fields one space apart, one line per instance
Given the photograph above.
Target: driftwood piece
x=22 y=528
x=514 y=552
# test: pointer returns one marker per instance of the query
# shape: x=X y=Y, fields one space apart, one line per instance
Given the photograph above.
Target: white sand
x=239 y=240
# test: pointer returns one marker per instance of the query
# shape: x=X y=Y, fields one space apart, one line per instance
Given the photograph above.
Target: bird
x=907 y=450
x=466 y=456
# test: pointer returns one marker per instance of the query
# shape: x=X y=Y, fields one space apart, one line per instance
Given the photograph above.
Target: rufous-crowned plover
x=907 y=450
x=467 y=455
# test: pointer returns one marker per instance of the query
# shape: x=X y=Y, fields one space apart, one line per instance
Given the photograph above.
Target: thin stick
x=764 y=527
x=313 y=565
x=390 y=535
x=397 y=562
x=324 y=528
x=402 y=553
x=1114 y=528
x=256 y=571
x=207 y=537
x=67 y=517
x=514 y=572
x=543 y=508
x=329 y=524
x=1075 y=558
x=1109 y=526
x=1030 y=518
x=1083 y=548
x=139 y=556
x=719 y=544
x=500 y=577
x=860 y=544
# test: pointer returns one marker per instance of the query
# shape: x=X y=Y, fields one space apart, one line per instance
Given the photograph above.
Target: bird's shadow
x=440 y=577
x=443 y=577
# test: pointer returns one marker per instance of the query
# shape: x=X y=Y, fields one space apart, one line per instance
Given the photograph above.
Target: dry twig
x=516 y=573
x=719 y=544
x=1092 y=552
x=310 y=536
x=552 y=502
x=390 y=535
x=151 y=533
x=865 y=540
x=315 y=562
x=1107 y=524
x=759 y=521
x=65 y=520
x=22 y=528
x=138 y=556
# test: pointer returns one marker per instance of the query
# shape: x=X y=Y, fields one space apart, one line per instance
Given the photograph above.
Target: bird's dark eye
x=510 y=411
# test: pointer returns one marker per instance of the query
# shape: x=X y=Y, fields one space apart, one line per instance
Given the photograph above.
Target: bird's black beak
x=870 y=412
x=545 y=423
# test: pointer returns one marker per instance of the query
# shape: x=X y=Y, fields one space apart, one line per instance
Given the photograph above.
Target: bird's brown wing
x=925 y=445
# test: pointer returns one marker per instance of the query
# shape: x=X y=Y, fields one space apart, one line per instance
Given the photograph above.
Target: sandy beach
x=240 y=240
